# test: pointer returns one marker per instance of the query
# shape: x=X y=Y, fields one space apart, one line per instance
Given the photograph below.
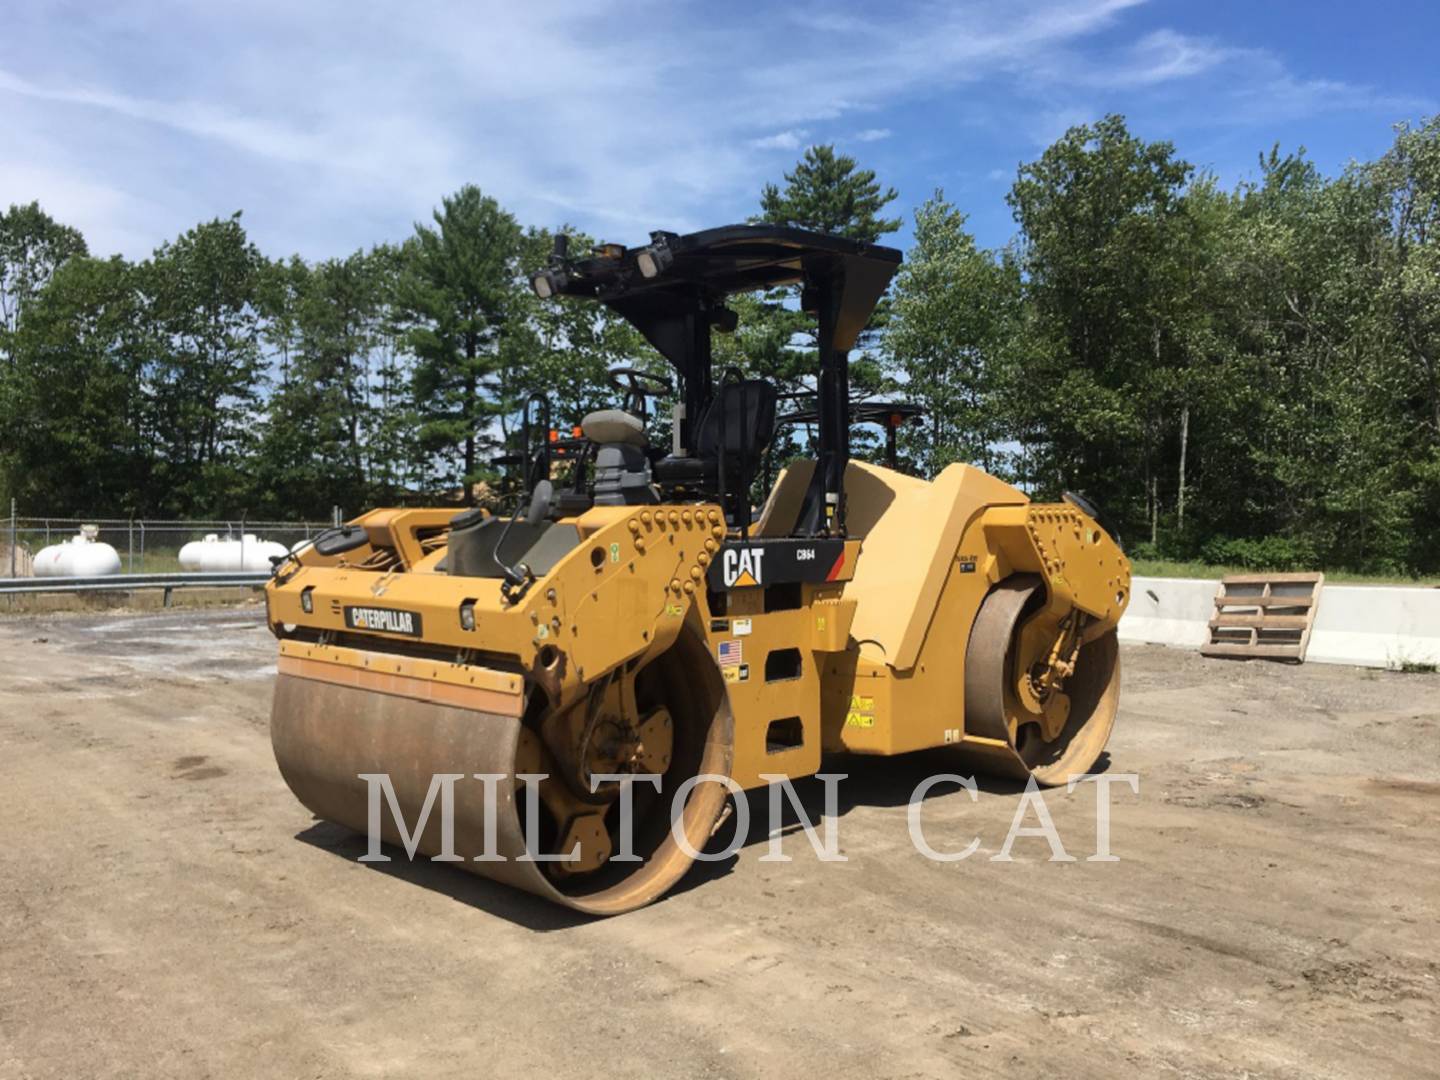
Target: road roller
x=646 y=631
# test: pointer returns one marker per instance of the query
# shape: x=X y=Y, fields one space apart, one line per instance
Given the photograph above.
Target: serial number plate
x=385 y=620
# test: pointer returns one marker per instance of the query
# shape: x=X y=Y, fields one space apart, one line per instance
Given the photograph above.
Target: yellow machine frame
x=881 y=649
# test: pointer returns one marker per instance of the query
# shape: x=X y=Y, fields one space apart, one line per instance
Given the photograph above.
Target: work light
x=653 y=259
x=547 y=283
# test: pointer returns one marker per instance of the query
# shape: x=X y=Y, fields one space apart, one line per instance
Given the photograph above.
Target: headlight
x=548 y=282
x=467 y=615
x=307 y=602
x=652 y=260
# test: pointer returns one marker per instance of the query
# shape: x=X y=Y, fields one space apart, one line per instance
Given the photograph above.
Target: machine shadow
x=447 y=879
x=869 y=781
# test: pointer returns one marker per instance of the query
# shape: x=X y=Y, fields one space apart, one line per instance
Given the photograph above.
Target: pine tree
x=458 y=292
x=829 y=193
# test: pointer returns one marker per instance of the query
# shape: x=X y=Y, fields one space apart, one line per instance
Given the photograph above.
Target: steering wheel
x=637 y=385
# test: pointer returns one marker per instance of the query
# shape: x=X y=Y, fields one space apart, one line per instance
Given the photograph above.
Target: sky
x=337 y=125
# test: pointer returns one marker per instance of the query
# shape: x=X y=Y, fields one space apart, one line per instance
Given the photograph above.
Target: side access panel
x=776 y=612
x=871 y=708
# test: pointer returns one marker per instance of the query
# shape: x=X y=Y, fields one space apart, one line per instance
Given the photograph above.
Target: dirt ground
x=168 y=909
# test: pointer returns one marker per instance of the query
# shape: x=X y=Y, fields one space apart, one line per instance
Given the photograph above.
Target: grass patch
x=1177 y=569
x=1416 y=667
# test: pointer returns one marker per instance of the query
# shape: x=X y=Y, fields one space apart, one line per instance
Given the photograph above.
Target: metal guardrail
x=129 y=582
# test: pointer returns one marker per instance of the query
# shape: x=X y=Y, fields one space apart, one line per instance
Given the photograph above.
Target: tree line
x=1246 y=375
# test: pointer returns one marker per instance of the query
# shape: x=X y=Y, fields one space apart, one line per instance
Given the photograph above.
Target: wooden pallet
x=1266 y=616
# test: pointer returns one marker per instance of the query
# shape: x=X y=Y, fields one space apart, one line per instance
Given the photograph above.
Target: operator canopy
x=662 y=286
x=673 y=291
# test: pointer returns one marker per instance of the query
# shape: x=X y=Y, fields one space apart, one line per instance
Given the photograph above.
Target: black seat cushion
x=686 y=470
x=740 y=422
x=742 y=416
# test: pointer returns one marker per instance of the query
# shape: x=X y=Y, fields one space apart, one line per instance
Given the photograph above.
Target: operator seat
x=622 y=468
x=734 y=431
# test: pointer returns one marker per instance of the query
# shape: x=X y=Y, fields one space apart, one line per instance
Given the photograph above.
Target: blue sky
x=337 y=125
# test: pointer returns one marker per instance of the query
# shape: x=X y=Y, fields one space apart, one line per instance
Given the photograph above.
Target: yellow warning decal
x=862 y=712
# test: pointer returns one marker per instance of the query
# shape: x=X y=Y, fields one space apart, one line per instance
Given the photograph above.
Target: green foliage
x=956 y=311
x=457 y=293
x=829 y=192
x=74 y=398
x=1248 y=377
x=1274 y=554
x=1104 y=224
x=33 y=245
x=322 y=427
x=206 y=382
x=1221 y=368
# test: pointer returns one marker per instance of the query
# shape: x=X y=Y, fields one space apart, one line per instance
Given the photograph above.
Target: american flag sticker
x=728 y=653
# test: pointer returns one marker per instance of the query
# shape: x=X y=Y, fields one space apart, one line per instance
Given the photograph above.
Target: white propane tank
x=230 y=556
x=84 y=556
x=190 y=553
x=45 y=558
x=257 y=553
x=216 y=556
x=91 y=558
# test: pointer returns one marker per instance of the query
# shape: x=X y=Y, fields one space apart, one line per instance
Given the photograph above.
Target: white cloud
x=336 y=124
x=1165 y=55
x=781 y=140
x=95 y=208
x=1215 y=74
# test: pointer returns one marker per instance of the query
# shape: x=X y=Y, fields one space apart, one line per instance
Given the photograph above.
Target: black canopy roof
x=696 y=271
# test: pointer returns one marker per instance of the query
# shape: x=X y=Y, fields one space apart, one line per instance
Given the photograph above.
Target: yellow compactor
x=645 y=618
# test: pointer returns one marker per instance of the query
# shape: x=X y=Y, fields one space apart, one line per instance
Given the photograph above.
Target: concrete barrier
x=1387 y=626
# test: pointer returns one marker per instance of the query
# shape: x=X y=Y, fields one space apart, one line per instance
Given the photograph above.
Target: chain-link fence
x=144 y=545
